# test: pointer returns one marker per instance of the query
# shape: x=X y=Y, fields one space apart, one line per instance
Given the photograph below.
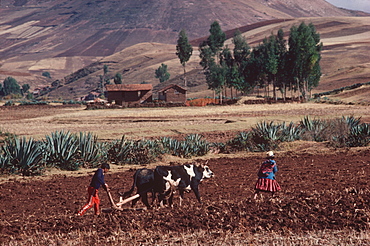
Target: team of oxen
x=162 y=183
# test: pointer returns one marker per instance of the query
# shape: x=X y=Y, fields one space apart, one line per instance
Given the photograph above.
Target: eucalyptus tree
x=184 y=50
x=216 y=39
x=270 y=61
x=281 y=76
x=255 y=71
x=264 y=63
x=216 y=77
x=241 y=53
x=210 y=60
x=161 y=73
x=304 y=57
x=25 y=88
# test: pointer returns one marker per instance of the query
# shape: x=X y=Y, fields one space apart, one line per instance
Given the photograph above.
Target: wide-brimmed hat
x=270 y=154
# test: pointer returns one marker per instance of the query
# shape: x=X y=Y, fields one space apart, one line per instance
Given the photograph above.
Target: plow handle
x=128 y=200
x=111 y=200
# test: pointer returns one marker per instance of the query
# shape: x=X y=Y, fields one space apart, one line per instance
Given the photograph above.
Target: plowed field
x=321 y=191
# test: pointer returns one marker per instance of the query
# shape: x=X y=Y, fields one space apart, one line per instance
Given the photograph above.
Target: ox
x=183 y=178
x=165 y=180
x=144 y=182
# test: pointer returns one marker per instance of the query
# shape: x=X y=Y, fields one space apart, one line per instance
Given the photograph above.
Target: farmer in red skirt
x=92 y=197
x=266 y=176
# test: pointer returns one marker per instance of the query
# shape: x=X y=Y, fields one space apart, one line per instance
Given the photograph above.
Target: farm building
x=172 y=93
x=129 y=93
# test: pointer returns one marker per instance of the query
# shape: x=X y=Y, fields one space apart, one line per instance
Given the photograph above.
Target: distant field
x=136 y=123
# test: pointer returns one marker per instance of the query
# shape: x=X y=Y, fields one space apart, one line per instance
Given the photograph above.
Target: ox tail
x=128 y=193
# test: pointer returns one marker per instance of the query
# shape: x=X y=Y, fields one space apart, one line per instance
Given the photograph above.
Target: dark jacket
x=98 y=179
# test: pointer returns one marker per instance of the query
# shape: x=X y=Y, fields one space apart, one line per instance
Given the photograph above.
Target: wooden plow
x=118 y=206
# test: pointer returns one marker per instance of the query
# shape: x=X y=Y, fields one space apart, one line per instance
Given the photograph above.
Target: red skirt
x=270 y=185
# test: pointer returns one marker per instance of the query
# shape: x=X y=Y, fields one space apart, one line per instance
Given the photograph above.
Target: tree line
x=11 y=88
x=286 y=65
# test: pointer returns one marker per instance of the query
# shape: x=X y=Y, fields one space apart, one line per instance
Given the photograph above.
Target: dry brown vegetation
x=137 y=123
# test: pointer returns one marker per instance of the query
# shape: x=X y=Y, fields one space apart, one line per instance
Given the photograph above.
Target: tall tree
x=105 y=69
x=216 y=77
x=304 y=56
x=184 y=50
x=206 y=56
x=238 y=72
x=216 y=38
x=209 y=54
x=161 y=73
x=241 y=49
x=281 y=76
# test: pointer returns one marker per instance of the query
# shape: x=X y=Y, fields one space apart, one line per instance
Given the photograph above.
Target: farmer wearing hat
x=96 y=182
x=266 y=176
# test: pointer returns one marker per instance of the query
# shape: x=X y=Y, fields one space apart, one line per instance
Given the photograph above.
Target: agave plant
x=60 y=150
x=289 y=133
x=267 y=130
x=359 y=136
x=242 y=141
x=4 y=163
x=193 y=145
x=351 y=121
x=90 y=150
x=22 y=156
x=265 y=136
x=314 y=129
x=198 y=146
x=134 y=151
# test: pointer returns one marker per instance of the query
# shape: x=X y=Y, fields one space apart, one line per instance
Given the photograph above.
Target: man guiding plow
x=92 y=190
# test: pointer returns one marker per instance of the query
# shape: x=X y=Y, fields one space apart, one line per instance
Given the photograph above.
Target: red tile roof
x=171 y=86
x=130 y=87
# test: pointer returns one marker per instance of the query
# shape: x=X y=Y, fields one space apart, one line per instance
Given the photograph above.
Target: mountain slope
x=61 y=36
x=345 y=59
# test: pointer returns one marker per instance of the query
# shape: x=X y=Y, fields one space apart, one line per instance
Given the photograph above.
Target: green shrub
x=359 y=136
x=60 y=150
x=193 y=145
x=242 y=141
x=9 y=103
x=313 y=130
x=290 y=133
x=90 y=151
x=265 y=136
x=22 y=156
x=134 y=151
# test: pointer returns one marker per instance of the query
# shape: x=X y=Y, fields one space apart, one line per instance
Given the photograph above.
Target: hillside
x=62 y=36
x=345 y=60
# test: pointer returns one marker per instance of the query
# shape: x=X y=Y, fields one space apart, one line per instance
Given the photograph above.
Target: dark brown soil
x=319 y=192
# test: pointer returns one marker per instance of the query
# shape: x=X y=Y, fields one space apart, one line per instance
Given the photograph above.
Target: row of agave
x=342 y=132
x=70 y=151
x=63 y=150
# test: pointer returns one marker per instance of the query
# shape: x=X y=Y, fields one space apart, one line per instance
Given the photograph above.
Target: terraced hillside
x=345 y=59
x=62 y=36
